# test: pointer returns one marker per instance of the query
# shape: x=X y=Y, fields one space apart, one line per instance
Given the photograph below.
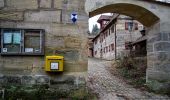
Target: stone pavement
x=109 y=87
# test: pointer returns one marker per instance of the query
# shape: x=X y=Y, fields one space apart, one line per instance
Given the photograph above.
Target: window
x=101 y=38
x=112 y=45
x=106 y=33
x=11 y=41
x=32 y=40
x=131 y=25
x=22 y=42
x=112 y=29
x=106 y=49
x=95 y=53
x=136 y=26
x=95 y=41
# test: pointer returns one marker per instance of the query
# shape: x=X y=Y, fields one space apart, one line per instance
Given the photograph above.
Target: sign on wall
x=54 y=65
x=74 y=17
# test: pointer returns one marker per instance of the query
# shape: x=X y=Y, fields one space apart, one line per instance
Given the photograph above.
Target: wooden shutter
x=126 y=25
x=136 y=26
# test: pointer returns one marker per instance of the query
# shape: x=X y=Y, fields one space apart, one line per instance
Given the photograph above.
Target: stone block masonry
x=15 y=16
x=60 y=86
x=1 y=3
x=21 y=5
x=47 y=16
x=59 y=4
x=65 y=39
x=44 y=14
x=45 y=3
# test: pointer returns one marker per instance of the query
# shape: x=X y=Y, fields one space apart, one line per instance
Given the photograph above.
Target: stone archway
x=141 y=14
x=154 y=16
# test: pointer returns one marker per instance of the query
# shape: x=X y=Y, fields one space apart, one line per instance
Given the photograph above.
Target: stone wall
x=62 y=37
x=158 y=72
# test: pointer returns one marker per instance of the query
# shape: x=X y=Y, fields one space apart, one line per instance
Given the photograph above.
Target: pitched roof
x=104 y=17
x=140 y=39
x=112 y=20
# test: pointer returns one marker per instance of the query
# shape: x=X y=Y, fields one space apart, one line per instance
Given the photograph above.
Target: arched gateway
x=155 y=16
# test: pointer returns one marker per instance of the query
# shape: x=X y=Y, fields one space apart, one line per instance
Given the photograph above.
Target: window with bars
x=22 y=41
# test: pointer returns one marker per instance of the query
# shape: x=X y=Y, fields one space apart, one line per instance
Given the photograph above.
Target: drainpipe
x=115 y=42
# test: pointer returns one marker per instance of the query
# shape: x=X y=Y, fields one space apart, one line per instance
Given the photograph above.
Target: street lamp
x=130 y=28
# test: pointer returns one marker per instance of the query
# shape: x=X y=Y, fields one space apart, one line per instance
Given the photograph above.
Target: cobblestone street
x=109 y=87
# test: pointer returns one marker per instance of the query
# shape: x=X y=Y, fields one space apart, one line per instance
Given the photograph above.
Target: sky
x=93 y=21
x=167 y=1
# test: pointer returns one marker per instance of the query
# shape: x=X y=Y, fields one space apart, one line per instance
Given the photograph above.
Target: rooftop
x=104 y=17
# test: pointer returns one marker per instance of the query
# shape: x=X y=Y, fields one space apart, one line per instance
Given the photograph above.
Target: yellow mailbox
x=54 y=63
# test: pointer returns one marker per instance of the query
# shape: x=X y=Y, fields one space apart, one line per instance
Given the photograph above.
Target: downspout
x=116 y=37
x=115 y=42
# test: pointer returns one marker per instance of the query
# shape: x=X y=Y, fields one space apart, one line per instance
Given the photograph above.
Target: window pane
x=32 y=42
x=112 y=29
x=7 y=37
x=17 y=38
x=11 y=41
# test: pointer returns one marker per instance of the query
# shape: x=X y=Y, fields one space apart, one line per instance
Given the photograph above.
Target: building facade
x=90 y=45
x=34 y=29
x=117 y=32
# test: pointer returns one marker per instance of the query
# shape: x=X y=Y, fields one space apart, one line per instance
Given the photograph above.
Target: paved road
x=110 y=87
